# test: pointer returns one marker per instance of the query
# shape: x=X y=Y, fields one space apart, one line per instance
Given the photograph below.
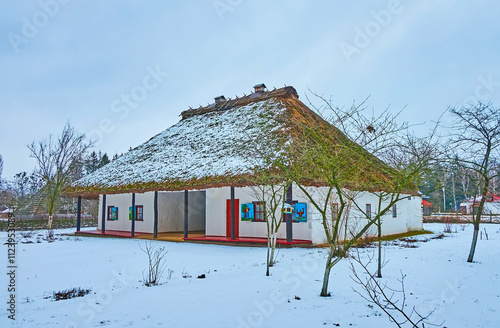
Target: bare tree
x=271 y=195
x=1 y=170
x=475 y=144
x=59 y=163
x=341 y=160
x=7 y=192
x=390 y=300
x=21 y=180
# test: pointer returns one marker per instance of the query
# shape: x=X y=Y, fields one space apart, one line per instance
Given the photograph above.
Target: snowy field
x=236 y=292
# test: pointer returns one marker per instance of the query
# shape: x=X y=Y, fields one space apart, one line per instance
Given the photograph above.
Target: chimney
x=220 y=99
x=260 y=87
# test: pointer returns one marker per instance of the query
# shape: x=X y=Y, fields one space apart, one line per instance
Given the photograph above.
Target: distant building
x=491 y=205
x=426 y=207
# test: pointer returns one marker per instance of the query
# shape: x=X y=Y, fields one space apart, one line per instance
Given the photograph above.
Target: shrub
x=156 y=263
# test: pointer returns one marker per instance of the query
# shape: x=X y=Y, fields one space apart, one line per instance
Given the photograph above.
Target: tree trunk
x=49 y=223
x=267 y=262
x=270 y=260
x=473 y=244
x=326 y=276
x=477 y=220
x=379 y=267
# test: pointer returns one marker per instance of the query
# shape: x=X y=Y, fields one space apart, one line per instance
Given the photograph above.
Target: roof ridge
x=285 y=92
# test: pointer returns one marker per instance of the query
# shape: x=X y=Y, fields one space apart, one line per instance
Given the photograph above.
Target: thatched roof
x=225 y=144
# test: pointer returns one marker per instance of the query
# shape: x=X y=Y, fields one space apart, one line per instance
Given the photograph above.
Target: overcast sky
x=122 y=71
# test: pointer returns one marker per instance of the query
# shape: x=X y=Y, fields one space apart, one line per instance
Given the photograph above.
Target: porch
x=195 y=237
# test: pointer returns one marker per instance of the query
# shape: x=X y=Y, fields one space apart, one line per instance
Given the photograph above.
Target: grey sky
x=122 y=71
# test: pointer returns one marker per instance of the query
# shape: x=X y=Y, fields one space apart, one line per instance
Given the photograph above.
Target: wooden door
x=236 y=218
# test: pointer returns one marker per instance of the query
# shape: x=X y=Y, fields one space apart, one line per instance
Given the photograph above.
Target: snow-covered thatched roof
x=222 y=144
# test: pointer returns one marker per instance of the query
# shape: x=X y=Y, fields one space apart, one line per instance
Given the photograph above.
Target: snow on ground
x=236 y=292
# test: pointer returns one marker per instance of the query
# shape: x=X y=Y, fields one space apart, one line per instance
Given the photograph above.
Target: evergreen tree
x=104 y=160
x=91 y=163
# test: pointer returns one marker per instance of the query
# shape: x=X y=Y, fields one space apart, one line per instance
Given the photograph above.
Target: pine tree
x=104 y=160
x=91 y=163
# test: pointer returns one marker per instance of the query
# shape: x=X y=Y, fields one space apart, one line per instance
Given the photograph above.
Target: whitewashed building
x=491 y=205
x=188 y=177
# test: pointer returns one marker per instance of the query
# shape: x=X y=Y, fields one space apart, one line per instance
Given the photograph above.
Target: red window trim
x=137 y=213
x=257 y=214
x=110 y=211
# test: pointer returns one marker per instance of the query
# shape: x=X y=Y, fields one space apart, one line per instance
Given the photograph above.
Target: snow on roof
x=218 y=143
x=489 y=198
x=223 y=144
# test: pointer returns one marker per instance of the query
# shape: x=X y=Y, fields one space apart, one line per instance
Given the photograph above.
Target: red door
x=236 y=218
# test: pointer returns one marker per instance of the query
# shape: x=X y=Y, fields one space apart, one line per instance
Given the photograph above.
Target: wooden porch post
x=155 y=224
x=233 y=228
x=186 y=227
x=78 y=213
x=103 y=222
x=132 y=233
x=288 y=217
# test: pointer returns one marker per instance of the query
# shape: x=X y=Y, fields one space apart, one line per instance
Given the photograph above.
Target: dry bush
x=156 y=263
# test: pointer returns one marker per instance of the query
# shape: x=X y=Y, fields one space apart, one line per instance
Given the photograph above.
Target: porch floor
x=111 y=233
x=195 y=237
x=245 y=240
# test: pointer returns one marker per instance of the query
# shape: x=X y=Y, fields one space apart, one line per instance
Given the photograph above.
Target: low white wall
x=207 y=211
x=170 y=211
x=216 y=215
x=123 y=202
x=409 y=215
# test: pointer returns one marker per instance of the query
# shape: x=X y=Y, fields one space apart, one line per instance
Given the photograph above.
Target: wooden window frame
x=137 y=213
x=257 y=214
x=368 y=211
x=394 y=211
x=110 y=211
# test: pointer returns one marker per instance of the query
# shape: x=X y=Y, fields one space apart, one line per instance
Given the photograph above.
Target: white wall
x=123 y=202
x=216 y=215
x=170 y=211
x=409 y=215
x=207 y=211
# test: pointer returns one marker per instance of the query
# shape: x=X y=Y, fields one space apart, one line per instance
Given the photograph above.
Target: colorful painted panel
x=112 y=213
x=300 y=212
x=247 y=213
x=138 y=213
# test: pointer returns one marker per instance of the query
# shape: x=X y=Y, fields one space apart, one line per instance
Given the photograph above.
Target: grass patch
x=70 y=293
x=365 y=241
x=406 y=234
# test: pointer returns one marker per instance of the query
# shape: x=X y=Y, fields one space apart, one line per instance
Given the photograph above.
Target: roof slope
x=224 y=144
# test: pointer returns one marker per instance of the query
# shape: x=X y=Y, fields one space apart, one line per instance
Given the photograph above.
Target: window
x=394 y=211
x=138 y=213
x=368 y=211
x=112 y=213
x=259 y=212
x=335 y=210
